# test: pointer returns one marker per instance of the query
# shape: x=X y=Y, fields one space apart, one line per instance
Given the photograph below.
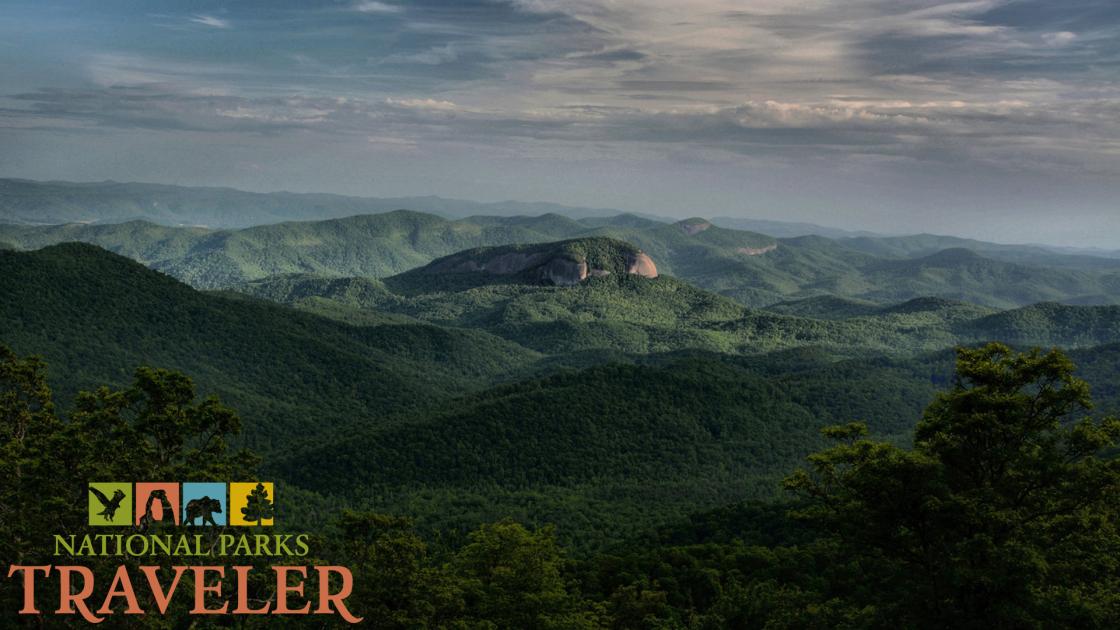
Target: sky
x=996 y=119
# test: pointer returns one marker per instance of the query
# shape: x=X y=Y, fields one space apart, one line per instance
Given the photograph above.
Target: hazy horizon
x=855 y=229
x=989 y=119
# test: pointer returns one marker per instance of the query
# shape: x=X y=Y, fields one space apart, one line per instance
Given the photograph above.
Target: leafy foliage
x=1002 y=515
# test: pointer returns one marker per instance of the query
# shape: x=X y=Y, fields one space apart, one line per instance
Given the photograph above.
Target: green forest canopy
x=1021 y=533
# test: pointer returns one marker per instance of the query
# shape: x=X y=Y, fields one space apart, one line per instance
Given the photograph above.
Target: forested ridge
x=605 y=408
x=632 y=441
x=96 y=316
x=753 y=269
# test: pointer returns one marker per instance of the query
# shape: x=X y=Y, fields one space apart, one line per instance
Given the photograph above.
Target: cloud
x=210 y=20
x=972 y=85
x=423 y=103
x=1004 y=133
x=433 y=56
x=371 y=6
x=1060 y=38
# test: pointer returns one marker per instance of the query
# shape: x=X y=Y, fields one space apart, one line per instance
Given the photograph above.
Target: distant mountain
x=788 y=229
x=962 y=274
x=920 y=245
x=385 y=244
x=752 y=268
x=28 y=202
x=45 y=203
x=512 y=292
x=365 y=245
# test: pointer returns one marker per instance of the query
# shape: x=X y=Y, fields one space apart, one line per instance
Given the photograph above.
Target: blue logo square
x=205 y=504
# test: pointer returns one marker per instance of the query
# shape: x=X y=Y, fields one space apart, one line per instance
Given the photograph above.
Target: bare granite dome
x=563 y=264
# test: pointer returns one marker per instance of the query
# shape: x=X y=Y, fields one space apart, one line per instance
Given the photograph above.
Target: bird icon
x=110 y=505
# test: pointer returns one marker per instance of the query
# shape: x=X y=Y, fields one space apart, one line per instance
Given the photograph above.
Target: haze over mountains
x=32 y=202
x=39 y=203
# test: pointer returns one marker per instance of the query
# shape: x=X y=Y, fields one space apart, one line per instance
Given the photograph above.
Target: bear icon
x=204 y=507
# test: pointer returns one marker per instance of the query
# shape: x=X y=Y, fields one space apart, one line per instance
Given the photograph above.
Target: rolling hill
x=637 y=314
x=96 y=316
x=1059 y=324
x=606 y=451
x=753 y=269
x=607 y=406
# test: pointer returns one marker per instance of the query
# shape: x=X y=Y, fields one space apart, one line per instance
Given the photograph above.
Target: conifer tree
x=259 y=507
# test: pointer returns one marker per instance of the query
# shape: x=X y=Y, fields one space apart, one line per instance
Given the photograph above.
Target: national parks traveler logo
x=148 y=505
x=180 y=529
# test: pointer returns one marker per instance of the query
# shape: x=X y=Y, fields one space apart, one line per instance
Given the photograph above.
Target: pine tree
x=258 y=506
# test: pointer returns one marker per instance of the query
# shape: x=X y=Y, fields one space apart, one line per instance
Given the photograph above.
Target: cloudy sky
x=991 y=118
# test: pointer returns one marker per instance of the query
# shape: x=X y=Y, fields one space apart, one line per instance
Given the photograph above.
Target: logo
x=156 y=503
x=180 y=529
x=251 y=504
x=204 y=504
x=110 y=503
x=147 y=505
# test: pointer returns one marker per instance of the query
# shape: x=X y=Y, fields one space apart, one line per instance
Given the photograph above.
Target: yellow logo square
x=251 y=504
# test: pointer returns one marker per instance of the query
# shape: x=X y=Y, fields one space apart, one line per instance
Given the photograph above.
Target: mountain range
x=581 y=404
x=30 y=202
x=609 y=374
x=751 y=268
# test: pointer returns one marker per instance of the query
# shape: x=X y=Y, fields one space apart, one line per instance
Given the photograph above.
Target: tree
x=28 y=476
x=157 y=429
x=395 y=581
x=258 y=507
x=1003 y=514
x=512 y=578
x=153 y=429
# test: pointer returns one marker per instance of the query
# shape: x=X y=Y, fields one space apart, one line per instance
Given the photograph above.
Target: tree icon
x=258 y=507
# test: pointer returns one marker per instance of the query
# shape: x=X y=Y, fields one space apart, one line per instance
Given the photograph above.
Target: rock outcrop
x=563 y=264
x=563 y=271
x=641 y=264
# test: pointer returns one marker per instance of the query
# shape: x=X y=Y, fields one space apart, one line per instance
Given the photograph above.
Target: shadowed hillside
x=96 y=316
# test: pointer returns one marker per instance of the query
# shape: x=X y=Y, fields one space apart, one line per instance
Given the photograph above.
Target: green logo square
x=110 y=503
